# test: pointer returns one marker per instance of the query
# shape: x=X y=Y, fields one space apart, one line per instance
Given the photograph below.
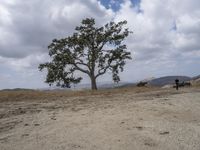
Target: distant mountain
x=148 y=79
x=100 y=85
x=162 y=81
x=168 y=80
x=107 y=85
x=196 y=77
x=196 y=80
x=127 y=85
x=17 y=89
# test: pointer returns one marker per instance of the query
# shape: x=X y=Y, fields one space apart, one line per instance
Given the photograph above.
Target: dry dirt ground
x=121 y=119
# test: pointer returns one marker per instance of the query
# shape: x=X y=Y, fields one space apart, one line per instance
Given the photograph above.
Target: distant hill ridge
x=161 y=81
x=17 y=89
x=196 y=80
x=196 y=77
x=168 y=80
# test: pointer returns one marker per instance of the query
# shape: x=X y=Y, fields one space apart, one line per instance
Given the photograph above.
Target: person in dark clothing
x=177 y=83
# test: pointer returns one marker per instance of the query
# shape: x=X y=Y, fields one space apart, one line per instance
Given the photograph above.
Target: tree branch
x=80 y=69
x=103 y=71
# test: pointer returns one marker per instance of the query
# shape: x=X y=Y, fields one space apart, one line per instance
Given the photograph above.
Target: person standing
x=177 y=83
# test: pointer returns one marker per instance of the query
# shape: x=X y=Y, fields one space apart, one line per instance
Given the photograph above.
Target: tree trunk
x=93 y=83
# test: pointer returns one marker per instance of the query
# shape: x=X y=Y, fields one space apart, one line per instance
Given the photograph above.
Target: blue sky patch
x=115 y=4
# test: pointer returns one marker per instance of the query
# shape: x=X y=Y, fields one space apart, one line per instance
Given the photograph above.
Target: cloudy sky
x=165 y=39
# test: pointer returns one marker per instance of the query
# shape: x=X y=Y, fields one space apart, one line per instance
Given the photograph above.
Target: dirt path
x=162 y=120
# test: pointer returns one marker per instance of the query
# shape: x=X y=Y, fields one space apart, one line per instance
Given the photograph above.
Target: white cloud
x=29 y=26
x=165 y=35
x=158 y=47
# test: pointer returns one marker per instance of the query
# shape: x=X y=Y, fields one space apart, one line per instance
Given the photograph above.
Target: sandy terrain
x=122 y=119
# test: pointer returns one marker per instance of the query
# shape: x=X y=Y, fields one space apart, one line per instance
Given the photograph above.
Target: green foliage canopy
x=91 y=50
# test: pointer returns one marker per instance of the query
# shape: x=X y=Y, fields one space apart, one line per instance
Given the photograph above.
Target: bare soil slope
x=121 y=119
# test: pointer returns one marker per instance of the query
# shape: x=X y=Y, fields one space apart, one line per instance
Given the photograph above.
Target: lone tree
x=91 y=50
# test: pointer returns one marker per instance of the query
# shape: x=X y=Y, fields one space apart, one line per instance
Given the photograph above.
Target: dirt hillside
x=121 y=119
